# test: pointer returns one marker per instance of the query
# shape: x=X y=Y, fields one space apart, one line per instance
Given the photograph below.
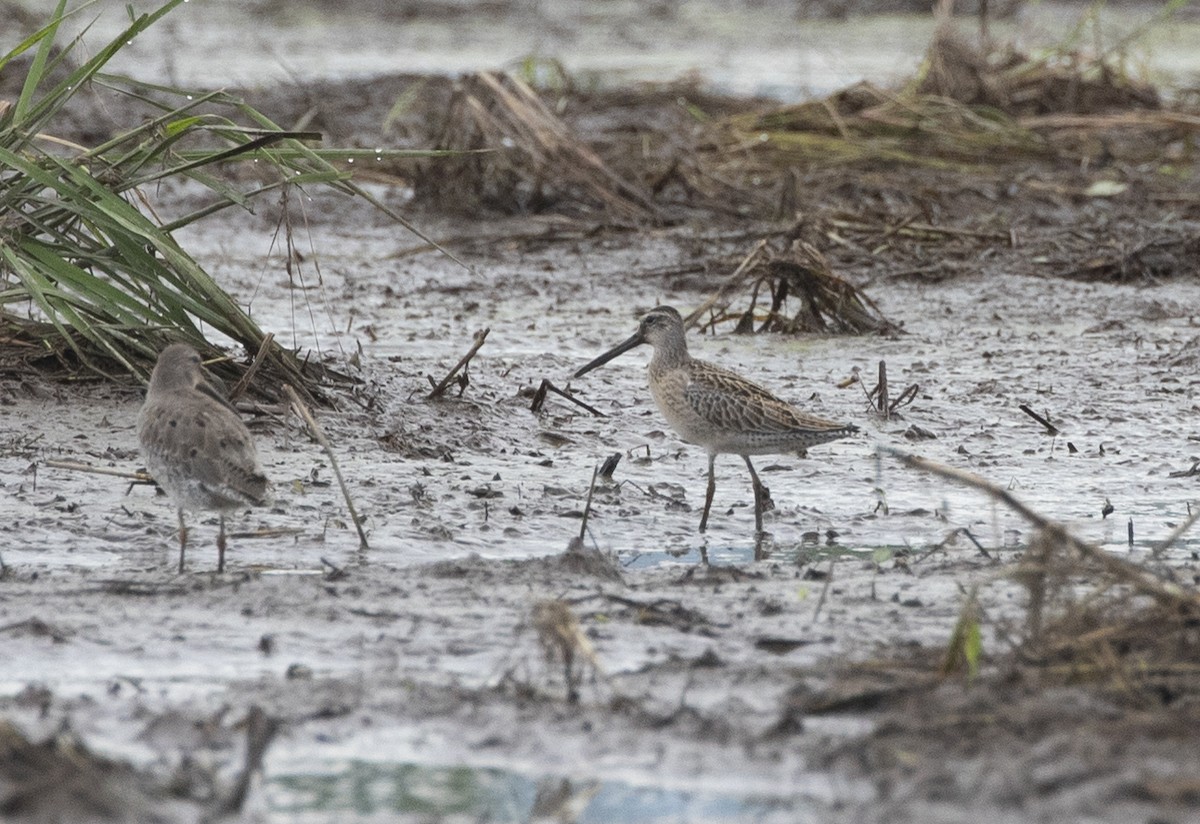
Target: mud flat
x=416 y=664
x=899 y=647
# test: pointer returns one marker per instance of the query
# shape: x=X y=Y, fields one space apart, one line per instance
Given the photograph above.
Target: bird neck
x=670 y=354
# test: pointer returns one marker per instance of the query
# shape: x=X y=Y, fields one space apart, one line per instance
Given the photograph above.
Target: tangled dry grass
x=827 y=303
x=510 y=148
x=1120 y=628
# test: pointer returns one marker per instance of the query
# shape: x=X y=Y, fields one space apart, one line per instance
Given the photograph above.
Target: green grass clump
x=88 y=275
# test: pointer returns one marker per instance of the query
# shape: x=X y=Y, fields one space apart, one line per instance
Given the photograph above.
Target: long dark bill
x=619 y=349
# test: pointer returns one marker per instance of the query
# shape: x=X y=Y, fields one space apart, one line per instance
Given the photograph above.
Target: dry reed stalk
x=317 y=432
x=136 y=477
x=517 y=148
x=439 y=388
x=1167 y=594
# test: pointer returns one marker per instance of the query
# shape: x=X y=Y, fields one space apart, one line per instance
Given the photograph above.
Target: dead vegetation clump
x=1120 y=635
x=799 y=292
x=1092 y=693
x=1176 y=253
x=967 y=107
x=1020 y=85
x=1108 y=625
x=867 y=125
x=515 y=154
x=61 y=779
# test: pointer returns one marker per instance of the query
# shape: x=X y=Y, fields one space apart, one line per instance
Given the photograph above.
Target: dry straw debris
x=515 y=150
x=1111 y=625
x=820 y=300
x=967 y=108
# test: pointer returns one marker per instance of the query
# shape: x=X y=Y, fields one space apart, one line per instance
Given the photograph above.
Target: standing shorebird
x=195 y=444
x=718 y=409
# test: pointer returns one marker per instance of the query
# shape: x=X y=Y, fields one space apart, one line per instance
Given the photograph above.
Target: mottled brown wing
x=729 y=401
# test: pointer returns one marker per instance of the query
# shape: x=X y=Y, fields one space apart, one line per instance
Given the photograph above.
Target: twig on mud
x=587 y=506
x=1186 y=473
x=730 y=283
x=878 y=398
x=440 y=388
x=1156 y=550
x=911 y=229
x=267 y=532
x=1051 y=429
x=824 y=589
x=243 y=382
x=610 y=466
x=336 y=573
x=905 y=398
x=539 y=398
x=948 y=541
x=964 y=531
x=880 y=392
x=303 y=411
x=260 y=729
x=1164 y=592
x=137 y=477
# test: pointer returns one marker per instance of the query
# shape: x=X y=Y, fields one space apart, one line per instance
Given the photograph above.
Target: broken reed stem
x=587 y=507
x=733 y=280
x=303 y=411
x=1164 y=592
x=440 y=388
x=884 y=408
x=911 y=228
x=260 y=730
x=824 y=589
x=1051 y=429
x=539 y=398
x=138 y=477
x=560 y=636
x=244 y=381
x=1162 y=546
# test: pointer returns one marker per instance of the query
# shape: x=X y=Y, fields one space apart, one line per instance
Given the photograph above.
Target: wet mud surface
x=421 y=651
x=411 y=680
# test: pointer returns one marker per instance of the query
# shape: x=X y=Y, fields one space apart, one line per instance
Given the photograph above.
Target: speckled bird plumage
x=195 y=444
x=718 y=409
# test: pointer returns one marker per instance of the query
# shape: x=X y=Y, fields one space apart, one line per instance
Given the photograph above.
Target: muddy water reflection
x=361 y=790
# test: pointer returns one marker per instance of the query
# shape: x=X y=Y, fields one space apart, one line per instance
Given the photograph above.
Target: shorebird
x=719 y=409
x=195 y=444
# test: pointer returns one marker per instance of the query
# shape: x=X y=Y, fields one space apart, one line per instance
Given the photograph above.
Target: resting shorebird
x=718 y=409
x=195 y=444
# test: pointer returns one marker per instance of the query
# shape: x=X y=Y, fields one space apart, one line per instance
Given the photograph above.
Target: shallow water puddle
x=365 y=790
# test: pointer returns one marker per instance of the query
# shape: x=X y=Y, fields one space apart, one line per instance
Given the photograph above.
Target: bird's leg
x=221 y=545
x=761 y=495
x=708 y=496
x=182 y=540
